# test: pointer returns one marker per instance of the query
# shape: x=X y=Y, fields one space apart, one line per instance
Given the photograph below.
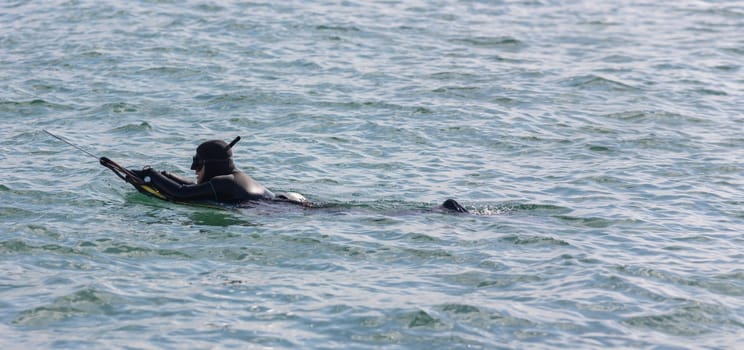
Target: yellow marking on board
x=153 y=192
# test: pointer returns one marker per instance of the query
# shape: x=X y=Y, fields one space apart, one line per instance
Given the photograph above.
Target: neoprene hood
x=216 y=157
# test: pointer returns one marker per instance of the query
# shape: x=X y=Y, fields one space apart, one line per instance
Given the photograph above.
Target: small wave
x=489 y=281
x=20 y=106
x=303 y=63
x=655 y=141
x=356 y=105
x=615 y=58
x=169 y=71
x=533 y=240
x=595 y=82
x=730 y=12
x=548 y=208
x=689 y=320
x=422 y=319
x=235 y=100
x=592 y=222
x=225 y=97
x=734 y=50
x=420 y=237
x=459 y=308
x=508 y=280
x=210 y=8
x=87 y=301
x=448 y=76
x=736 y=275
x=127 y=250
x=426 y=326
x=655 y=274
x=599 y=148
x=617 y=284
x=711 y=92
x=723 y=284
x=8 y=212
x=143 y=126
x=15 y=246
x=455 y=90
x=422 y=110
x=337 y=28
x=118 y=108
x=729 y=68
x=428 y=254
x=599 y=23
x=491 y=42
x=477 y=317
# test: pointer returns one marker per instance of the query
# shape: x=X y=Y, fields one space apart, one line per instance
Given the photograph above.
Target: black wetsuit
x=231 y=188
x=223 y=182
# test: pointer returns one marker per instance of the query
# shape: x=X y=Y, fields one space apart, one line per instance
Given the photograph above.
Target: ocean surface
x=599 y=146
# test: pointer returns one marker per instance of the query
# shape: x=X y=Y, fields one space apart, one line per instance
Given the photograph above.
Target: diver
x=217 y=179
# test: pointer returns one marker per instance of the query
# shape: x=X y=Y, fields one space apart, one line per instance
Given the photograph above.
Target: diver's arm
x=177 y=191
x=177 y=178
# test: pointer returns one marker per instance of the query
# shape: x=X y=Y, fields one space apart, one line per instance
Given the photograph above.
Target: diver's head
x=213 y=158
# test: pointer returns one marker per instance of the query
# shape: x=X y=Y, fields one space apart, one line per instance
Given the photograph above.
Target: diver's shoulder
x=230 y=177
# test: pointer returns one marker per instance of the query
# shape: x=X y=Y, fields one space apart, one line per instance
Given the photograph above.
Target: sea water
x=597 y=144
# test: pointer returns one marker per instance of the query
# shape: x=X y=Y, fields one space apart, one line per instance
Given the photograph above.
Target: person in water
x=217 y=179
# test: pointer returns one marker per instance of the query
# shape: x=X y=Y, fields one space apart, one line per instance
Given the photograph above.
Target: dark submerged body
x=220 y=181
x=237 y=189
